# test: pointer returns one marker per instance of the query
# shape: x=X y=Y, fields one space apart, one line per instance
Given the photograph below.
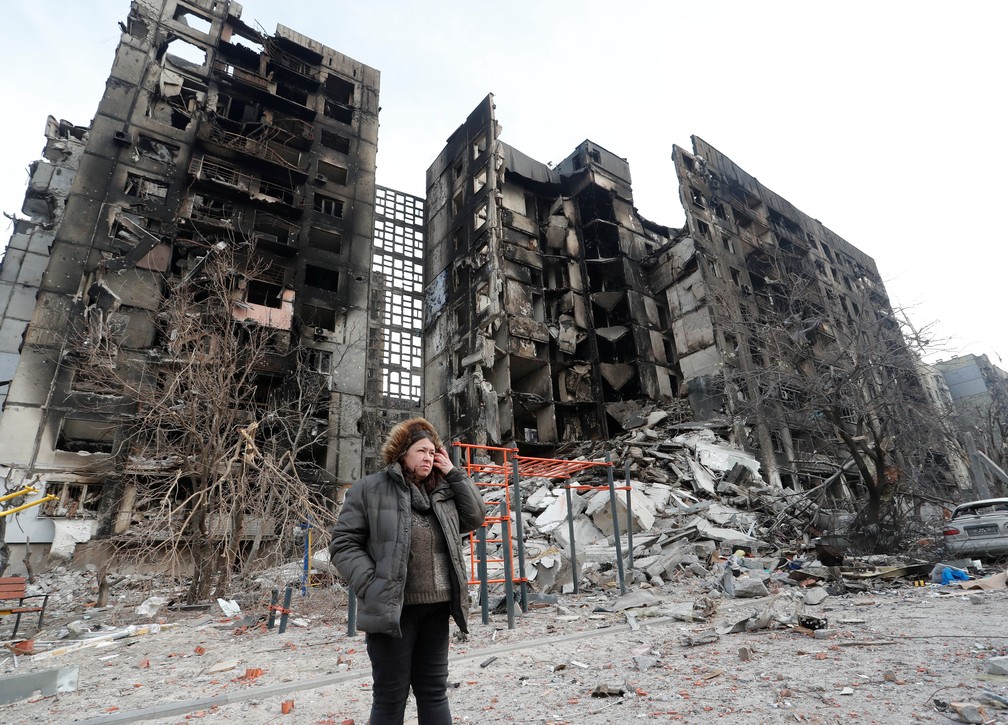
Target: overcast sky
x=884 y=120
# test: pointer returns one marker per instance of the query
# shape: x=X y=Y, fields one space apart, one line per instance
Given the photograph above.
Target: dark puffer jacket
x=370 y=544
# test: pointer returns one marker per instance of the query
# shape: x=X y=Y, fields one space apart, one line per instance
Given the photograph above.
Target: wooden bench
x=12 y=588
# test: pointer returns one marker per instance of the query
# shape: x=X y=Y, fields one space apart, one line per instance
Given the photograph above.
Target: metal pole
x=629 y=515
x=286 y=610
x=506 y=543
x=274 y=598
x=573 y=548
x=307 y=553
x=481 y=568
x=615 y=526
x=351 y=624
x=516 y=504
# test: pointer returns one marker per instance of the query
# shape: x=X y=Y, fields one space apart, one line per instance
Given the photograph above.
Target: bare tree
x=816 y=384
x=223 y=431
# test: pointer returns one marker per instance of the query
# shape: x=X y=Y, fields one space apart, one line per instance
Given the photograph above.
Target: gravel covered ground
x=898 y=654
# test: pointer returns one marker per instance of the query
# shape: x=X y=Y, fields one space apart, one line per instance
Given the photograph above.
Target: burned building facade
x=554 y=308
x=780 y=319
x=211 y=137
x=540 y=321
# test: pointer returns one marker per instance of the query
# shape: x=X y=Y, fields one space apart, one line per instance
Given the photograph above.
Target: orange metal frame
x=528 y=467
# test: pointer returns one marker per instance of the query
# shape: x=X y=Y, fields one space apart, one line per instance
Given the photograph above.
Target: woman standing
x=398 y=543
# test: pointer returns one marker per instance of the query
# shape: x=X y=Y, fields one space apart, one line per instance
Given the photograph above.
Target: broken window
x=321 y=277
x=339 y=89
x=697 y=197
x=458 y=170
x=187 y=17
x=457 y=202
x=144 y=188
x=85 y=436
x=293 y=93
x=480 y=215
x=744 y=221
x=262 y=293
x=338 y=112
x=702 y=228
x=322 y=319
x=331 y=174
x=328 y=206
x=335 y=142
x=482 y=298
x=151 y=148
x=479 y=146
x=264 y=387
x=726 y=242
x=235 y=109
x=320 y=361
x=327 y=240
x=719 y=210
x=273 y=229
x=187 y=51
x=479 y=180
x=595 y=156
x=75 y=500
x=315 y=452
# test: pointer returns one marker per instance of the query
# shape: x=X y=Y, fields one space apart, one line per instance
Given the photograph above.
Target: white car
x=978 y=528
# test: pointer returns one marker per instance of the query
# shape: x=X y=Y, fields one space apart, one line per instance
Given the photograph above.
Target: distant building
x=979 y=391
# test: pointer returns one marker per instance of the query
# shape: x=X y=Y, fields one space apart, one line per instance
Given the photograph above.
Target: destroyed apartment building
x=553 y=306
x=519 y=305
x=212 y=139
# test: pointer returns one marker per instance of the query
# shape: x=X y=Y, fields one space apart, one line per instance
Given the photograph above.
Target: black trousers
x=419 y=660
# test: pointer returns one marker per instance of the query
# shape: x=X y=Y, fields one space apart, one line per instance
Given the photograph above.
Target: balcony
x=244 y=76
x=256 y=147
x=292 y=65
x=220 y=172
x=225 y=174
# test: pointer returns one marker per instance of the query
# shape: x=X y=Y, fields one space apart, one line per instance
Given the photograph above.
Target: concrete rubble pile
x=695 y=501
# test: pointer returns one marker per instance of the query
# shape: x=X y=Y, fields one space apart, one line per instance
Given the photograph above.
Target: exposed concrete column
x=976 y=467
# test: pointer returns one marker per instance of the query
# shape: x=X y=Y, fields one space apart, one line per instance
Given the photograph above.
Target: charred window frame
x=76 y=500
x=81 y=435
x=321 y=277
x=144 y=188
x=317 y=317
x=335 y=141
x=328 y=205
x=265 y=294
x=696 y=196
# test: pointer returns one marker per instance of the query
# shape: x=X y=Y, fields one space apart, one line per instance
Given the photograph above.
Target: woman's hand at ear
x=442 y=461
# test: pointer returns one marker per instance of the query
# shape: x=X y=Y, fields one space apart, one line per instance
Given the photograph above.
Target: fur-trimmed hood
x=401 y=437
